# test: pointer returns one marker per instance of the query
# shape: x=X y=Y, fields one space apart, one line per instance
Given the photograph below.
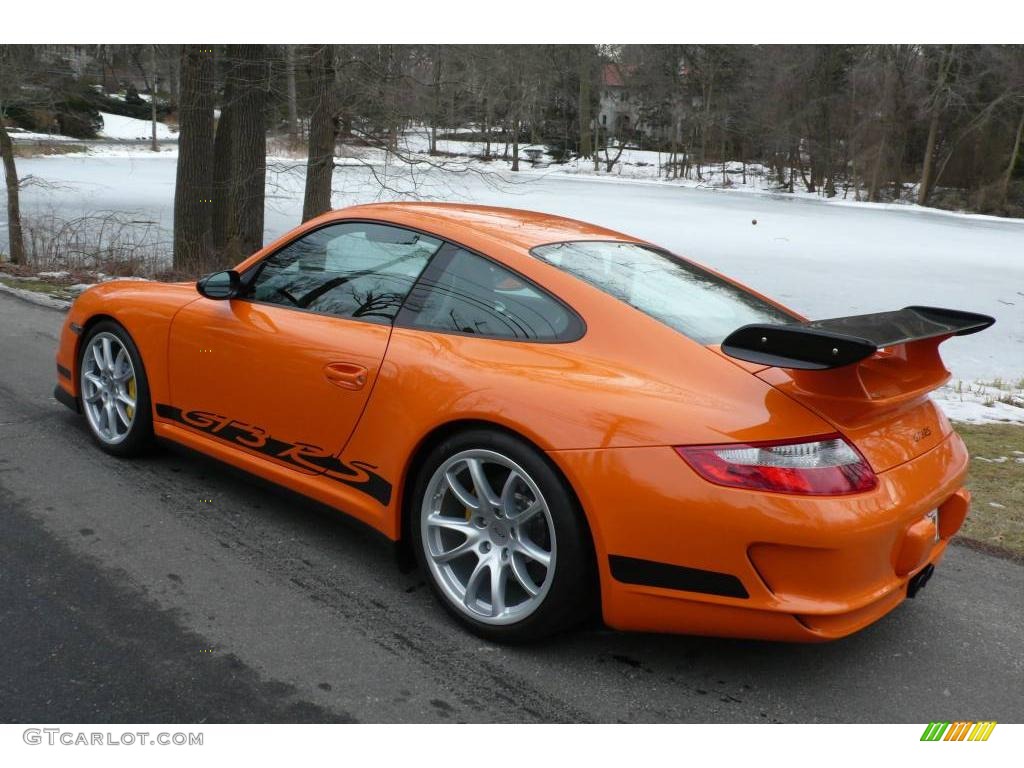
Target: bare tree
x=585 y=75
x=322 y=133
x=248 y=150
x=293 y=100
x=193 y=241
x=223 y=163
x=1014 y=157
x=154 y=73
x=15 y=241
x=938 y=98
x=14 y=63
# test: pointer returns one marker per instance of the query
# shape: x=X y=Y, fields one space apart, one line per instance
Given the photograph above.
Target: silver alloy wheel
x=109 y=388
x=488 y=537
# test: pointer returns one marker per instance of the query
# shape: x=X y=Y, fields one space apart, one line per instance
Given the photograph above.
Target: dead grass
x=42 y=149
x=996 y=481
x=40 y=286
x=120 y=243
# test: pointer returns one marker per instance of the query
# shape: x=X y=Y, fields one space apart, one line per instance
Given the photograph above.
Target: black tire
x=139 y=438
x=573 y=591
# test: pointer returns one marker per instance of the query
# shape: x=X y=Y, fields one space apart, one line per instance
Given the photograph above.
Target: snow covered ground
x=115 y=128
x=131 y=128
x=820 y=258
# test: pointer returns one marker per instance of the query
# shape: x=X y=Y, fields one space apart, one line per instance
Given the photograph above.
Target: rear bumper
x=678 y=554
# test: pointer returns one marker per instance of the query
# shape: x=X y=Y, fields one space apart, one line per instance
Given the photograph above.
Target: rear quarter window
x=463 y=293
x=693 y=301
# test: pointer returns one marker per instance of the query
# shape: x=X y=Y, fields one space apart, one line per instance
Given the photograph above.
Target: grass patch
x=997 y=485
x=44 y=149
x=39 y=286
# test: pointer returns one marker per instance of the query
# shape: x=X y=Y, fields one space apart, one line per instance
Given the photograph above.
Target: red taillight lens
x=820 y=466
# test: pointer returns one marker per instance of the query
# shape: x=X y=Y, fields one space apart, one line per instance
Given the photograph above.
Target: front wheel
x=114 y=390
x=501 y=538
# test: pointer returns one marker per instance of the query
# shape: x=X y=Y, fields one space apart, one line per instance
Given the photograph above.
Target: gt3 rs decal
x=311 y=458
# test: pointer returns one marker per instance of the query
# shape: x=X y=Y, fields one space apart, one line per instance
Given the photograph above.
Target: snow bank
x=131 y=128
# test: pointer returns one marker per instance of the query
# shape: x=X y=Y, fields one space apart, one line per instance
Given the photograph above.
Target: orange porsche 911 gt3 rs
x=552 y=417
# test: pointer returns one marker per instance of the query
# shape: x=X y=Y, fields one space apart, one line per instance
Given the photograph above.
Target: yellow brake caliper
x=130 y=410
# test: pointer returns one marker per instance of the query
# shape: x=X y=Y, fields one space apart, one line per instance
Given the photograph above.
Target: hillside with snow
x=131 y=129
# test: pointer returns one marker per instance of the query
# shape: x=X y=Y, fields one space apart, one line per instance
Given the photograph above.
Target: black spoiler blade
x=821 y=344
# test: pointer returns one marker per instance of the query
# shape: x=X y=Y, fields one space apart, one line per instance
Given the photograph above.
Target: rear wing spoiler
x=823 y=344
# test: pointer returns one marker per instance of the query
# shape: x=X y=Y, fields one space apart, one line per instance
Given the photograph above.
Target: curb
x=33 y=297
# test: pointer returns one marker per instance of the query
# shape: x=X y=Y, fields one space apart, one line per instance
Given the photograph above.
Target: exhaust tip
x=917 y=583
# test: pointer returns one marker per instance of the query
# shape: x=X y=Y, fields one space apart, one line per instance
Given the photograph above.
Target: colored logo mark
x=959 y=731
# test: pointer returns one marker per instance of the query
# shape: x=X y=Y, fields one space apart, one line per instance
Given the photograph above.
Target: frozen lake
x=823 y=259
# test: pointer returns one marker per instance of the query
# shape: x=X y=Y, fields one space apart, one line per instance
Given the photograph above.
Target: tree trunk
x=293 y=101
x=927 y=179
x=897 y=169
x=808 y=183
x=584 y=101
x=876 y=176
x=611 y=161
x=435 y=108
x=829 y=177
x=925 y=189
x=222 y=163
x=1014 y=154
x=725 y=169
x=487 y=129
x=322 y=135
x=15 y=239
x=174 y=69
x=515 y=144
x=248 y=151
x=193 y=242
x=152 y=96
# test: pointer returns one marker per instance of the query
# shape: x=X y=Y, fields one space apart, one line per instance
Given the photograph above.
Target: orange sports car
x=552 y=418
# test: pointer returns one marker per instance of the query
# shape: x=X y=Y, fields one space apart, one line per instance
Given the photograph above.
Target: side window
x=350 y=269
x=465 y=293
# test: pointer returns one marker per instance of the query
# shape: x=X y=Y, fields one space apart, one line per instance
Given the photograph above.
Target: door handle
x=346 y=375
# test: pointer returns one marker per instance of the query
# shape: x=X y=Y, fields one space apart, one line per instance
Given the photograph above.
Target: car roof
x=525 y=229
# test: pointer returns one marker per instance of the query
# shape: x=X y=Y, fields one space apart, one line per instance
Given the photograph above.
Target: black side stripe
x=63 y=371
x=648 y=573
x=303 y=456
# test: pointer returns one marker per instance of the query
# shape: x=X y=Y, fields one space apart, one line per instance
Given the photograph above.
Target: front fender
x=144 y=309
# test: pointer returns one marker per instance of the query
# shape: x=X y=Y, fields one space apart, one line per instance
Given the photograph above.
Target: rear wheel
x=501 y=538
x=114 y=390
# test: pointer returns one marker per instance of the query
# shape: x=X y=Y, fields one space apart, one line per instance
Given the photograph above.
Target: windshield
x=685 y=297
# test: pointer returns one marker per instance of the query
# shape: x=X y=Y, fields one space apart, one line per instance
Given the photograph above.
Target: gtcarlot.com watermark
x=60 y=737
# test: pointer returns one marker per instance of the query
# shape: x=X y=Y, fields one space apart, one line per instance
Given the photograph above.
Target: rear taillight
x=820 y=466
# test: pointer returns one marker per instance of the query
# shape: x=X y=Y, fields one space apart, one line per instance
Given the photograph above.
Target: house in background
x=618 y=112
x=621 y=115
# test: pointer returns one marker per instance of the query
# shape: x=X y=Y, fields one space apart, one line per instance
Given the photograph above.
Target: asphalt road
x=174 y=589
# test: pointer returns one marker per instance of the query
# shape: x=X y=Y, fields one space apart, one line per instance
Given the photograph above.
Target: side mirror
x=219 y=285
